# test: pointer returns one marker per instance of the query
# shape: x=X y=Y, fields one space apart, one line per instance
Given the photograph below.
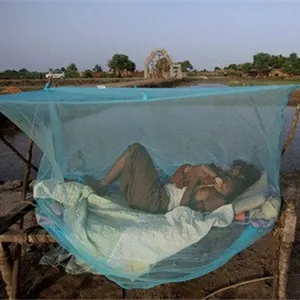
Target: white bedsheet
x=126 y=239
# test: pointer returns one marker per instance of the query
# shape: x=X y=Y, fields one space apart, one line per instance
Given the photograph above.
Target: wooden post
x=288 y=222
x=6 y=270
x=14 y=150
x=292 y=130
x=124 y=293
x=18 y=248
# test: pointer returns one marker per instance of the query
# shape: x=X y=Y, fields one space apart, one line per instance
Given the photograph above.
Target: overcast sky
x=39 y=35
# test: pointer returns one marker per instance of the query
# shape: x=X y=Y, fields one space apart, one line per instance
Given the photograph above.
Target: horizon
x=52 y=34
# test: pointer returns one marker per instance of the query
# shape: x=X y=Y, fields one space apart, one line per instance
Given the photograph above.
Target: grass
x=248 y=82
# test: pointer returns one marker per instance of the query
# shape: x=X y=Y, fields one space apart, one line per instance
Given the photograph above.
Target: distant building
x=259 y=74
x=278 y=73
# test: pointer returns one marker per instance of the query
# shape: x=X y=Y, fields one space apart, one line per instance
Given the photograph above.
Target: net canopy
x=121 y=233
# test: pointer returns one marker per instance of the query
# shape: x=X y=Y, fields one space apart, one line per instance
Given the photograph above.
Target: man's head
x=223 y=182
x=244 y=176
x=237 y=167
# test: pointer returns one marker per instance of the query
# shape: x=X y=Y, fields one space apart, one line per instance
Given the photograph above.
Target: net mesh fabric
x=82 y=131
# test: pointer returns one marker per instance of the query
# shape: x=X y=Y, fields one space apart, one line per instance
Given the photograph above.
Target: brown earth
x=76 y=81
x=11 y=90
x=259 y=260
x=295 y=98
x=7 y=127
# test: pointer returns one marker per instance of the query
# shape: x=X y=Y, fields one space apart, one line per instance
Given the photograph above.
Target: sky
x=38 y=35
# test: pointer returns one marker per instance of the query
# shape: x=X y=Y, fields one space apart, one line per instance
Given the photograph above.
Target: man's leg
x=101 y=187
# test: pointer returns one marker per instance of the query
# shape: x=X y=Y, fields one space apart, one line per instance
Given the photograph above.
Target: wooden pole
x=14 y=150
x=18 y=247
x=5 y=267
x=292 y=130
x=287 y=232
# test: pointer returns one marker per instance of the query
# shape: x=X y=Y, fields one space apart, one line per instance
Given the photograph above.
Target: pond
x=11 y=167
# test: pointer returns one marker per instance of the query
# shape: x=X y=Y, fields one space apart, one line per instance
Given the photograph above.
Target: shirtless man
x=199 y=187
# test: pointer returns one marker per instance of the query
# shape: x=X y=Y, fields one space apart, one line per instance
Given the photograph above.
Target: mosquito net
x=197 y=182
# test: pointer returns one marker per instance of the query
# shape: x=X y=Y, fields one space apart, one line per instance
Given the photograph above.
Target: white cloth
x=122 y=238
x=175 y=195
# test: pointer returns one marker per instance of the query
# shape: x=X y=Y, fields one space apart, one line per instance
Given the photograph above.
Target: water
x=291 y=160
x=210 y=85
x=11 y=167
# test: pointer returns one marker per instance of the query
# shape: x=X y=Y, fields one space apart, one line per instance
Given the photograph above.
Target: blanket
x=127 y=240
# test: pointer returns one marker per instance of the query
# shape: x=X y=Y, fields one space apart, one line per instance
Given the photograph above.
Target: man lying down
x=203 y=188
x=169 y=228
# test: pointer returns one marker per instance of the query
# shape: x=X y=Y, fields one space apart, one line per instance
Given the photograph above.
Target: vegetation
x=119 y=63
x=263 y=62
x=88 y=74
x=21 y=74
x=97 y=69
x=71 y=71
x=186 y=66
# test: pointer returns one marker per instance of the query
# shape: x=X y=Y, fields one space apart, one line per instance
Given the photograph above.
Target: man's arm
x=178 y=176
x=208 y=199
x=188 y=194
x=209 y=171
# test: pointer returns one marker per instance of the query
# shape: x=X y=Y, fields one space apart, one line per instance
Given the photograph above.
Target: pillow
x=253 y=197
x=269 y=210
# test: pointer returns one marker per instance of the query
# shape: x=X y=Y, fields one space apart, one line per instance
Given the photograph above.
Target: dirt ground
x=42 y=282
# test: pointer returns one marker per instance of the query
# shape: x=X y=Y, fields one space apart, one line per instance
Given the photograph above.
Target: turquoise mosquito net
x=82 y=131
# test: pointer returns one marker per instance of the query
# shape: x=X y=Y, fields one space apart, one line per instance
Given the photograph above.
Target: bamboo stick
x=15 y=215
x=5 y=267
x=23 y=238
x=292 y=130
x=19 y=249
x=27 y=174
x=287 y=232
x=287 y=238
x=14 y=150
x=15 y=275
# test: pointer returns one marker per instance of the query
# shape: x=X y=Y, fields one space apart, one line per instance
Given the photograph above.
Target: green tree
x=97 y=69
x=186 y=66
x=233 y=67
x=72 y=68
x=274 y=62
x=281 y=61
x=63 y=69
x=261 y=61
x=121 y=62
x=88 y=74
x=217 y=69
x=292 y=64
x=24 y=73
x=246 y=67
x=71 y=71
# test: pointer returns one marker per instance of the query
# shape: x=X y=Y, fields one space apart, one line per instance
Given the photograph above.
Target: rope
x=237 y=285
x=29 y=202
